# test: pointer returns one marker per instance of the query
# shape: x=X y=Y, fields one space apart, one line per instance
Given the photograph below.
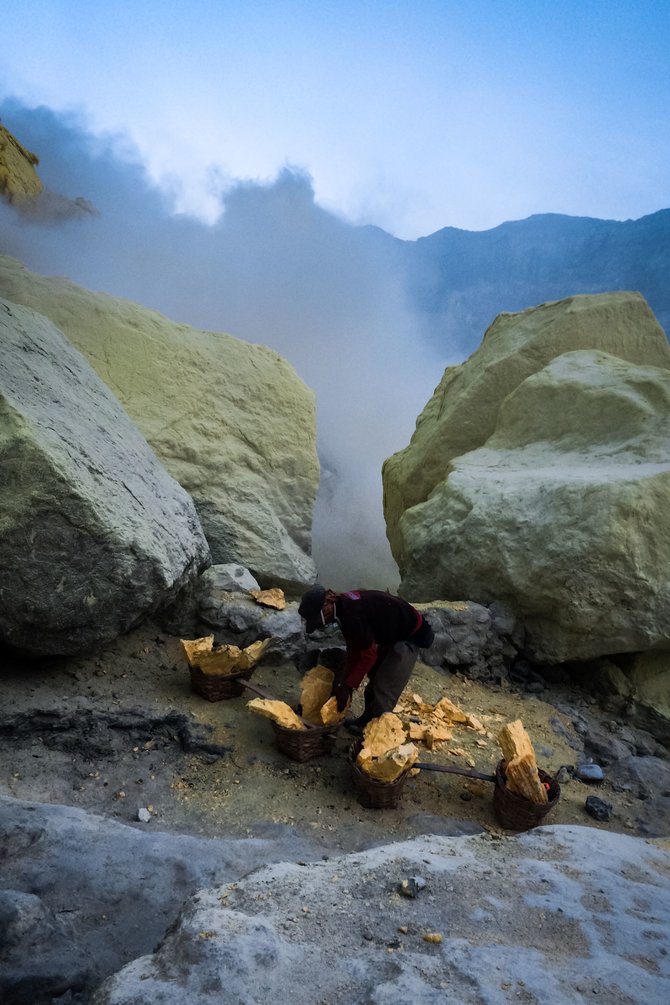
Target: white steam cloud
x=276 y=269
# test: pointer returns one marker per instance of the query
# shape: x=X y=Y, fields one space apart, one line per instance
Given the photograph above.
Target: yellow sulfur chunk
x=278 y=711
x=270 y=598
x=450 y=711
x=383 y=734
x=193 y=649
x=315 y=688
x=521 y=763
x=390 y=765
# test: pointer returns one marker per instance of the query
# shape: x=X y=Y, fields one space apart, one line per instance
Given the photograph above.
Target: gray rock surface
x=81 y=895
x=232 y=422
x=95 y=532
x=231 y=577
x=471 y=638
x=241 y=621
x=560 y=487
x=551 y=916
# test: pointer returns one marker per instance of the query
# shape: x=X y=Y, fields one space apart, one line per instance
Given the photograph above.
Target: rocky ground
x=121 y=731
x=138 y=823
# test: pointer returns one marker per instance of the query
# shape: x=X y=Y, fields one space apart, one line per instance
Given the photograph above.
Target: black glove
x=342 y=694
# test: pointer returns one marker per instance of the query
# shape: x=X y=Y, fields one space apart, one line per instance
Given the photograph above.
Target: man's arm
x=360 y=660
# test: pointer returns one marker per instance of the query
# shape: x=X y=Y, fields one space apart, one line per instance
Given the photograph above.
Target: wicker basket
x=370 y=792
x=304 y=744
x=214 y=687
x=516 y=813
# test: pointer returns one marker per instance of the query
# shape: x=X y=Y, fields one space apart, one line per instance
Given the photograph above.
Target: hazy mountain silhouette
x=459 y=280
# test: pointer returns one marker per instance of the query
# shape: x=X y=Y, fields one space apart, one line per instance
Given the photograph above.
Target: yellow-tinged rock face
x=463 y=412
x=232 y=422
x=19 y=180
x=539 y=477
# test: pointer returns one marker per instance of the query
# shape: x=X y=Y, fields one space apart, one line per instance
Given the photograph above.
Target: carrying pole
x=453 y=770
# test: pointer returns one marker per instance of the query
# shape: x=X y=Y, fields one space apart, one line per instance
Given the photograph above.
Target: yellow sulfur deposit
x=19 y=180
x=270 y=598
x=224 y=659
x=315 y=688
x=195 y=648
x=329 y=715
x=389 y=765
x=383 y=734
x=447 y=710
x=278 y=711
x=520 y=763
x=251 y=655
x=317 y=705
x=385 y=756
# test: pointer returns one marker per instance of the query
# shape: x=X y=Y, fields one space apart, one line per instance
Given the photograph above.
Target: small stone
x=588 y=772
x=143 y=815
x=564 y=774
x=407 y=888
x=412 y=886
x=598 y=808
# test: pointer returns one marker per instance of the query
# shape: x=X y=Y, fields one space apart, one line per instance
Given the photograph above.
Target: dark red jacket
x=369 y=619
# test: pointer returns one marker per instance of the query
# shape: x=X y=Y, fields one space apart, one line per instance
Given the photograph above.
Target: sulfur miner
x=383 y=634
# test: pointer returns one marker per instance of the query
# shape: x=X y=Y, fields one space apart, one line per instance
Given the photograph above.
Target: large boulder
x=19 y=180
x=561 y=512
x=231 y=421
x=94 y=534
x=546 y=917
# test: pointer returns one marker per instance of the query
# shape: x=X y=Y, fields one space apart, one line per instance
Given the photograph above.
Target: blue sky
x=410 y=115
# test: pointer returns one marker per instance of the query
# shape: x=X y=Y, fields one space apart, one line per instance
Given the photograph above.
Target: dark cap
x=311 y=606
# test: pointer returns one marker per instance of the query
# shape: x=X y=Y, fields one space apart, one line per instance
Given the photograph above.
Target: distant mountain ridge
x=460 y=280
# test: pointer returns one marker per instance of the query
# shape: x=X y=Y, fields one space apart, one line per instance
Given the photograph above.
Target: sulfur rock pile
x=385 y=756
x=433 y=725
x=520 y=763
x=390 y=742
x=316 y=705
x=223 y=660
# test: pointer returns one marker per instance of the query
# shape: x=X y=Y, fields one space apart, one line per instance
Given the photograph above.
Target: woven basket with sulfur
x=218 y=673
x=214 y=688
x=514 y=812
x=370 y=792
x=304 y=744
